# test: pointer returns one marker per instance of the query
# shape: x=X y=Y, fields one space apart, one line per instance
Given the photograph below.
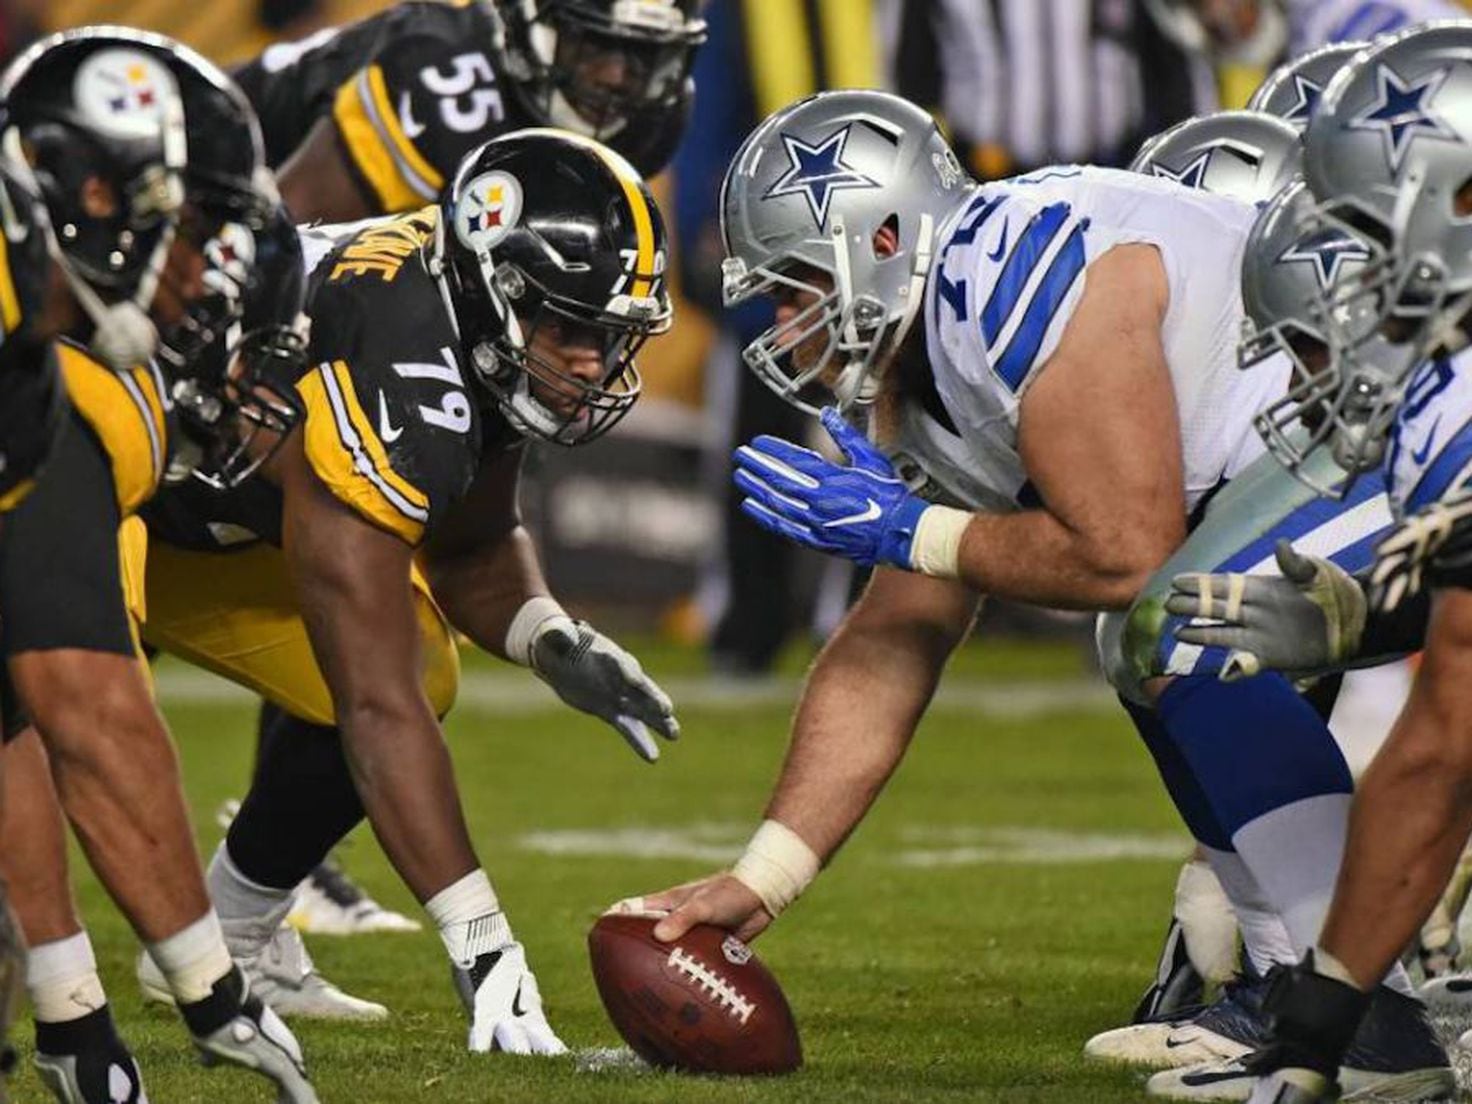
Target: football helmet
x=587 y=65
x=801 y=205
x=95 y=118
x=543 y=231
x=1292 y=91
x=1292 y=263
x=1247 y=155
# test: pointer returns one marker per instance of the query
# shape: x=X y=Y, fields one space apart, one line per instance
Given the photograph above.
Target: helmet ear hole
x=1462 y=199
x=886 y=241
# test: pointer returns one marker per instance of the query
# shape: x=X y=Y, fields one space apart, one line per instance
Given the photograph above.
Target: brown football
x=703 y=1004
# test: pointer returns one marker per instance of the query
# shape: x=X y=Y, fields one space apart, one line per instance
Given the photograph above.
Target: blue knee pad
x=1250 y=747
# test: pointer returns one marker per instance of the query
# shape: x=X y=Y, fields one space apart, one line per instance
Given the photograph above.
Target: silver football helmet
x=1292 y=91
x=1243 y=154
x=1292 y=263
x=805 y=202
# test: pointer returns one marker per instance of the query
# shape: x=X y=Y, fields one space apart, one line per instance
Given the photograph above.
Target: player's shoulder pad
x=414 y=108
x=1430 y=453
x=1007 y=279
x=390 y=424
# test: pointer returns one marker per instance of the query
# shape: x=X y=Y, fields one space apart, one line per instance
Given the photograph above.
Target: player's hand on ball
x=592 y=673
x=1309 y=618
x=720 y=900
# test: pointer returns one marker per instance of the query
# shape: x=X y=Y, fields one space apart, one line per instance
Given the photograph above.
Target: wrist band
x=777 y=866
x=522 y=632
x=936 y=549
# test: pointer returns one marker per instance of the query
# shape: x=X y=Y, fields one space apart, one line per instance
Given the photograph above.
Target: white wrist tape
x=777 y=866
x=522 y=633
x=936 y=549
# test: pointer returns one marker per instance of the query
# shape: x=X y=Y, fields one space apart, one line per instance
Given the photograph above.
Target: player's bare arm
x=858 y=712
x=317 y=184
x=353 y=583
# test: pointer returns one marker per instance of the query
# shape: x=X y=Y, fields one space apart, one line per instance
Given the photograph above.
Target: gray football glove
x=1311 y=618
x=1433 y=545
x=592 y=673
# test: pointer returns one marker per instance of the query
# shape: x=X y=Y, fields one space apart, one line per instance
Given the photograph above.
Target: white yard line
x=522 y=692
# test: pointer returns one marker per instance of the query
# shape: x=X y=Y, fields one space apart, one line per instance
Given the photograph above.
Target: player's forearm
x=482 y=591
x=1413 y=808
x=863 y=699
x=1031 y=556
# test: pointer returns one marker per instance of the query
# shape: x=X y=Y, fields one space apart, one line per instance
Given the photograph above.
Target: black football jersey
x=410 y=91
x=392 y=424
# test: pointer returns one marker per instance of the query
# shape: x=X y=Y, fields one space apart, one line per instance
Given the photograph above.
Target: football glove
x=1426 y=547
x=505 y=1006
x=859 y=509
x=1311 y=618
x=592 y=673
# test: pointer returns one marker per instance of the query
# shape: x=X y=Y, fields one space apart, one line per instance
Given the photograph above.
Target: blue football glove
x=861 y=511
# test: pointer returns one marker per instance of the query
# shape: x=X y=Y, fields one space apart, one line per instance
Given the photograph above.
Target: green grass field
x=958 y=950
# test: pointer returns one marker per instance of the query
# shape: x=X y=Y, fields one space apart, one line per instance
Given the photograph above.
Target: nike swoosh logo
x=516 y=1008
x=388 y=433
x=1001 y=250
x=871 y=512
x=412 y=127
x=1419 y=455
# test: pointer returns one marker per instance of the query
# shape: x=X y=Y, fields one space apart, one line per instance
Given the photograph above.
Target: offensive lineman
x=1075 y=475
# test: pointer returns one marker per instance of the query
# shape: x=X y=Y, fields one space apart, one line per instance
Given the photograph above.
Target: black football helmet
x=96 y=117
x=588 y=65
x=548 y=233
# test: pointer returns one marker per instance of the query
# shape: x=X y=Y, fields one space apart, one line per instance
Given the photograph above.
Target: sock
x=61 y=977
x=249 y=912
x=193 y=959
x=469 y=918
x=1208 y=924
x=1265 y=940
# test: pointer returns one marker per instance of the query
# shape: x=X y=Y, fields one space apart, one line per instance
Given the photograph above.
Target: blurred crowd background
x=642 y=525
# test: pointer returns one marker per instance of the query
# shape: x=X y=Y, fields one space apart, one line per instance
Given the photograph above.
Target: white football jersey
x=1314 y=23
x=1010 y=269
x=1430 y=453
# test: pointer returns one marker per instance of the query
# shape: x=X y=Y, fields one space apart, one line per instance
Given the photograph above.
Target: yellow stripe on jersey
x=16 y=495
x=350 y=459
x=9 y=300
x=375 y=139
x=849 y=39
x=126 y=411
x=779 y=52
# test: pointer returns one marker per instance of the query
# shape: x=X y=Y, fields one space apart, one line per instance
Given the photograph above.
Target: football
x=703 y=1004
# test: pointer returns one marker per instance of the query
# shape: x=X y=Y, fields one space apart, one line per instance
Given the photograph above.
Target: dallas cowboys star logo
x=1306 y=95
x=816 y=172
x=1327 y=252
x=1190 y=176
x=1401 y=112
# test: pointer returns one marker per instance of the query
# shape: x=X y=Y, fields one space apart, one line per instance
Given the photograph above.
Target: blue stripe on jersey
x=1305 y=519
x=1031 y=244
x=1068 y=262
x=1436 y=479
x=1370 y=20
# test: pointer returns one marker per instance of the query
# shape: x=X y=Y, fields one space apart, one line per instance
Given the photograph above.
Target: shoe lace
x=336 y=886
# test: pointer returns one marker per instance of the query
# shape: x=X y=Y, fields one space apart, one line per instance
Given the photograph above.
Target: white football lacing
x=722 y=991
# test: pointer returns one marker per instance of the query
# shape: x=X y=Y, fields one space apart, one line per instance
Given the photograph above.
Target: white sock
x=1208 y=924
x=249 y=911
x=193 y=958
x=61 y=977
x=1265 y=940
x=469 y=918
x=1295 y=852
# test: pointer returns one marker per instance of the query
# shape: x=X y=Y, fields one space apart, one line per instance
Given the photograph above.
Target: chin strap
x=123 y=334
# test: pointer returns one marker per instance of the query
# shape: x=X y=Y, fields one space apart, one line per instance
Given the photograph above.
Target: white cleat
x=328 y=902
x=283 y=976
x=1231 y=1081
x=1448 y=995
x=1163 y=1045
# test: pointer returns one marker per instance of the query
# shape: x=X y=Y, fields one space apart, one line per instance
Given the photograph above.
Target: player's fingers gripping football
x=720 y=900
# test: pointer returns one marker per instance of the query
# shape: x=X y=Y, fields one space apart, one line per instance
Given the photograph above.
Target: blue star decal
x=816 y=172
x=1306 y=99
x=1401 y=112
x=1191 y=176
x=1327 y=251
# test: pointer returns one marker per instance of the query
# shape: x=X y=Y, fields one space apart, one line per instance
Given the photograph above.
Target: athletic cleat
x=1294 y=1086
x=1230 y=1027
x=283 y=976
x=232 y=1026
x=1450 y=995
x=1178 y=991
x=1395 y=1057
x=329 y=902
x=83 y=1061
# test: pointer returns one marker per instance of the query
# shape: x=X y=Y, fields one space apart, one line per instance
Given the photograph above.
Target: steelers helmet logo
x=488 y=210
x=124 y=92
